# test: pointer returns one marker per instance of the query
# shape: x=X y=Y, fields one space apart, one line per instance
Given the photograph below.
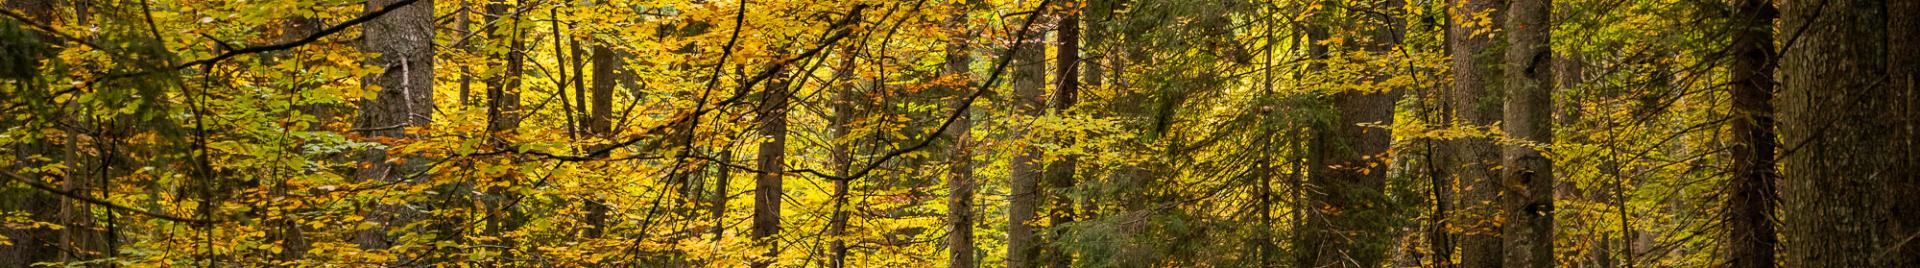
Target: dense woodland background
x=960 y=133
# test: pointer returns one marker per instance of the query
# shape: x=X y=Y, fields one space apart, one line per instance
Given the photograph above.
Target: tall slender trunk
x=1750 y=237
x=1029 y=81
x=1060 y=173
x=1527 y=176
x=404 y=41
x=842 y=153
x=600 y=124
x=1834 y=107
x=960 y=181
x=722 y=177
x=772 y=163
x=1475 y=102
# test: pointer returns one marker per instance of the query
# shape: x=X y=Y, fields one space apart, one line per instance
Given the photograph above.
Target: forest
x=960 y=133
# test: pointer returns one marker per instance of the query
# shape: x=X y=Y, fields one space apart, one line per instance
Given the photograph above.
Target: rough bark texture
x=1527 y=176
x=1346 y=201
x=404 y=40
x=1475 y=102
x=1029 y=79
x=1750 y=237
x=1903 y=67
x=1834 y=115
x=960 y=179
x=772 y=161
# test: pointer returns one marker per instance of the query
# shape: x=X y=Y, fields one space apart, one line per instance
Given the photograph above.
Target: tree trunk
x=600 y=124
x=1346 y=223
x=772 y=163
x=1903 y=66
x=1750 y=237
x=1475 y=102
x=718 y=209
x=960 y=180
x=404 y=41
x=1527 y=175
x=1060 y=173
x=1029 y=79
x=1834 y=113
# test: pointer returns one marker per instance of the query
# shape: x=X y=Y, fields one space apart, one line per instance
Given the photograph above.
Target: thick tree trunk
x=1750 y=237
x=772 y=163
x=1475 y=102
x=1834 y=114
x=1903 y=68
x=404 y=40
x=1346 y=223
x=1527 y=176
x=1029 y=81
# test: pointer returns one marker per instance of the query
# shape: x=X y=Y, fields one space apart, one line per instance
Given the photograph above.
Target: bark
x=600 y=124
x=1527 y=176
x=843 y=114
x=1346 y=210
x=1833 y=106
x=772 y=163
x=1475 y=102
x=503 y=104
x=404 y=40
x=960 y=177
x=1903 y=66
x=1029 y=78
x=1749 y=216
x=1060 y=173
x=721 y=194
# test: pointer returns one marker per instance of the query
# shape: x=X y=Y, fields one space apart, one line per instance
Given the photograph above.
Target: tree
x=1060 y=173
x=1903 y=68
x=961 y=183
x=1029 y=78
x=404 y=40
x=772 y=166
x=1346 y=200
x=1750 y=207
x=1527 y=174
x=1475 y=102
x=1833 y=113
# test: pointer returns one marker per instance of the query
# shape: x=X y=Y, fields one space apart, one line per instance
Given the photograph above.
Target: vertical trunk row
x=772 y=163
x=1029 y=78
x=1834 y=111
x=404 y=41
x=960 y=181
x=1527 y=175
x=1475 y=102
x=1750 y=236
x=1060 y=173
